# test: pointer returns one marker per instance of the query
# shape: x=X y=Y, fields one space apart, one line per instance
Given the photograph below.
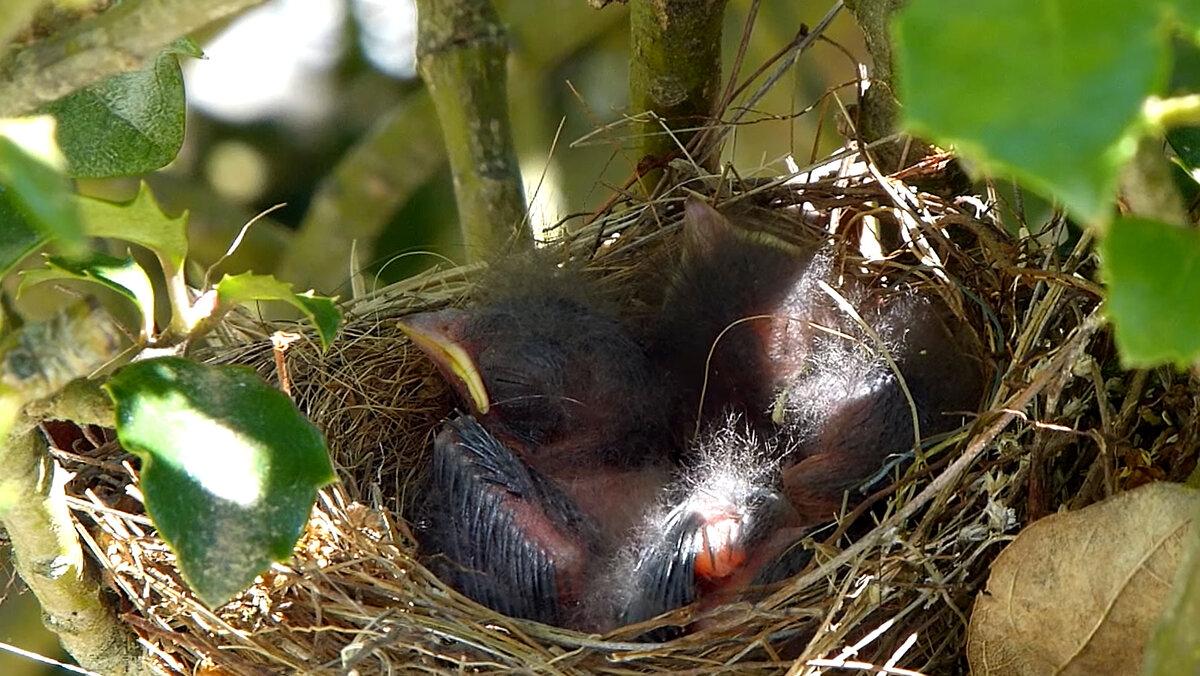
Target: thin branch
x=462 y=52
x=674 y=71
x=47 y=552
x=113 y=42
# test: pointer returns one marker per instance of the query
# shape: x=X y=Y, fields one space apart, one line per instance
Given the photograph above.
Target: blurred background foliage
x=291 y=89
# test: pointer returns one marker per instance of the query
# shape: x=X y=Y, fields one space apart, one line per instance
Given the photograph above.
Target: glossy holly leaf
x=321 y=311
x=1047 y=90
x=36 y=203
x=122 y=275
x=1153 y=275
x=230 y=467
x=140 y=221
x=127 y=124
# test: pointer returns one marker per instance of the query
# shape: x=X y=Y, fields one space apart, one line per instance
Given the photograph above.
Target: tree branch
x=116 y=41
x=462 y=51
x=48 y=555
x=674 y=69
x=878 y=113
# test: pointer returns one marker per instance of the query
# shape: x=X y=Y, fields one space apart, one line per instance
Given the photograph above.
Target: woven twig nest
x=892 y=584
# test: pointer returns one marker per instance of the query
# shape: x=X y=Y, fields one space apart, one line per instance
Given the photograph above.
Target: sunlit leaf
x=1153 y=275
x=122 y=275
x=18 y=237
x=140 y=221
x=230 y=467
x=243 y=288
x=1047 y=90
x=36 y=203
x=128 y=124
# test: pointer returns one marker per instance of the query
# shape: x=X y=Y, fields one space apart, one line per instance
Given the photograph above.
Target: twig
x=462 y=50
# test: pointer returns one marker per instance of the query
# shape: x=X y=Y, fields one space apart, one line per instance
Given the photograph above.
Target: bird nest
x=890 y=585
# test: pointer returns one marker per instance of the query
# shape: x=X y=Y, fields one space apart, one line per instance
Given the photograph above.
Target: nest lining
x=355 y=598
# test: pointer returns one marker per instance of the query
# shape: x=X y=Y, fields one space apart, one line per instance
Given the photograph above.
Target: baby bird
x=504 y=535
x=806 y=400
x=758 y=334
x=570 y=402
x=852 y=410
x=724 y=525
x=721 y=335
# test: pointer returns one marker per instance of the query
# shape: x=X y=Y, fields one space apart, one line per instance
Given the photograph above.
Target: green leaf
x=246 y=287
x=141 y=222
x=1153 y=275
x=230 y=467
x=38 y=203
x=122 y=275
x=1185 y=141
x=130 y=123
x=1048 y=90
x=1187 y=15
x=18 y=238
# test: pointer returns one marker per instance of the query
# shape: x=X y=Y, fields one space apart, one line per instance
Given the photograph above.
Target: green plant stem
x=48 y=557
x=182 y=321
x=1176 y=111
x=118 y=40
x=461 y=52
x=674 y=73
x=41 y=370
x=47 y=553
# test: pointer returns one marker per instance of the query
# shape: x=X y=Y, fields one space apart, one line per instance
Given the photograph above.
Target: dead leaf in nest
x=1079 y=593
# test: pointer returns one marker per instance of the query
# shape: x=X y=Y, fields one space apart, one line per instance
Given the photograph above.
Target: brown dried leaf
x=1079 y=593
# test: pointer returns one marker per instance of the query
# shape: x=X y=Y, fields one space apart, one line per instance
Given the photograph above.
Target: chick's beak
x=438 y=334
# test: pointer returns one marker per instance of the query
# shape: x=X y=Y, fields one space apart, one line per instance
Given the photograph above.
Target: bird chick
x=852 y=409
x=500 y=533
x=759 y=334
x=723 y=526
x=559 y=380
x=722 y=316
x=560 y=391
